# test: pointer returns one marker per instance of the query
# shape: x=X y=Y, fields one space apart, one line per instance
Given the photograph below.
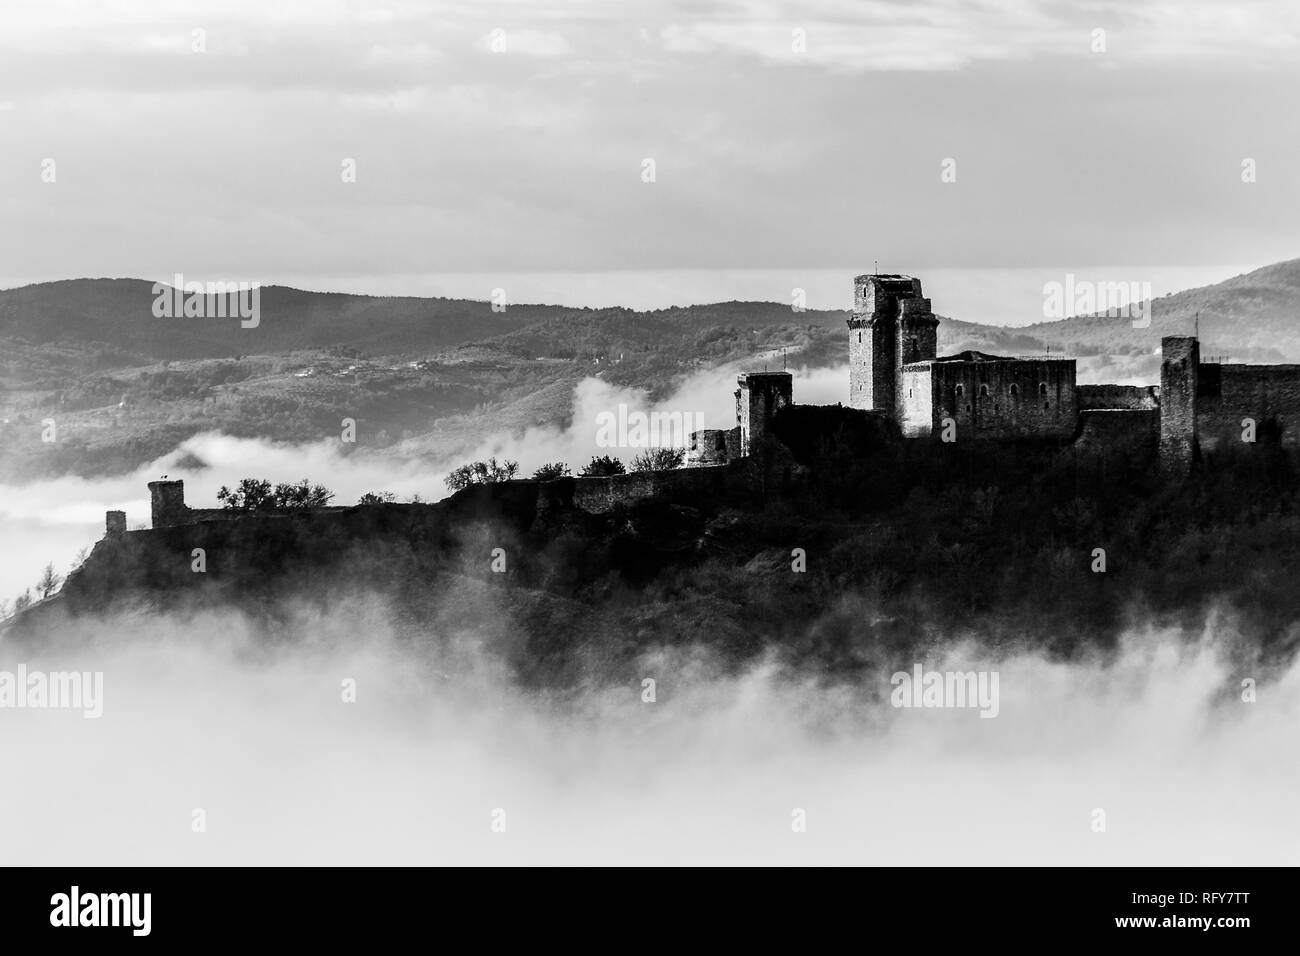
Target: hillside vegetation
x=123 y=387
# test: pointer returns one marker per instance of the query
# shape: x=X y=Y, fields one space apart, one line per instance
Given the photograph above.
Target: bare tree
x=23 y=601
x=482 y=473
x=49 y=582
x=659 y=459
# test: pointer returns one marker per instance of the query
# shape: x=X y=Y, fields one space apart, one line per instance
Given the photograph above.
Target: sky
x=494 y=140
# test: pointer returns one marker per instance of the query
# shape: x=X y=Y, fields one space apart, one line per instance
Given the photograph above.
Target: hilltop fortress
x=915 y=423
x=895 y=373
x=900 y=389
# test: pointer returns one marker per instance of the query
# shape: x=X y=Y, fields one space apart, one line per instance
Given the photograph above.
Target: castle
x=896 y=373
x=899 y=384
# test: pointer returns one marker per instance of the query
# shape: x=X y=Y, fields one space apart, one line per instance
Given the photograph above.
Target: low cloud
x=52 y=520
x=198 y=716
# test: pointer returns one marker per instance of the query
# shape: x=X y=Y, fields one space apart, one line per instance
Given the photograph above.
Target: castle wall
x=1227 y=394
x=1117 y=396
x=196 y=515
x=1016 y=398
x=760 y=396
x=917 y=418
x=602 y=495
x=860 y=351
x=1129 y=430
x=707 y=447
x=917 y=339
x=733 y=443
x=1180 y=357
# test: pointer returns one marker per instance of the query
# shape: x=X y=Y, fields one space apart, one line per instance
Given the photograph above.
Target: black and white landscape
x=576 y=433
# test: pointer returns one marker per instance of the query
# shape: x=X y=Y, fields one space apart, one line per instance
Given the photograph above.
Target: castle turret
x=1180 y=359
x=708 y=446
x=760 y=396
x=167 y=503
x=891 y=326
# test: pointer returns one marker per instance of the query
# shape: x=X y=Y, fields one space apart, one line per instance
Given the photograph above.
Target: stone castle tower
x=760 y=396
x=1180 y=364
x=891 y=326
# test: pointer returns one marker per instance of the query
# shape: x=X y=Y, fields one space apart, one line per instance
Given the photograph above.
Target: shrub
x=602 y=466
x=257 y=494
x=302 y=494
x=659 y=459
x=552 y=471
x=481 y=473
x=251 y=494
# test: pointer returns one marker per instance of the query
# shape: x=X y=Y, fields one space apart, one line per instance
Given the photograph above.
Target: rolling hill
x=126 y=387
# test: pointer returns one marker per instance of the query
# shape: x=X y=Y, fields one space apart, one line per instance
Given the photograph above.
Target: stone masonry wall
x=1179 y=362
x=602 y=495
x=1117 y=396
x=917 y=419
x=1268 y=394
x=1032 y=398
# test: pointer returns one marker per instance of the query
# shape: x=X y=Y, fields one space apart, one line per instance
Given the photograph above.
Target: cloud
x=938 y=35
x=766 y=157
x=527 y=42
x=54 y=519
x=440 y=741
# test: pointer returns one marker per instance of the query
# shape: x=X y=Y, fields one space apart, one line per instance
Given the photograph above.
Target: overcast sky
x=227 y=163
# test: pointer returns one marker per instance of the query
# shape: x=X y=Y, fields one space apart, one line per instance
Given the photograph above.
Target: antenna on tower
x=1197 y=327
x=875 y=263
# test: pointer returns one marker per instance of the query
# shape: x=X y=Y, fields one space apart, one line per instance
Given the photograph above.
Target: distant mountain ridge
x=1255 y=317
x=436 y=375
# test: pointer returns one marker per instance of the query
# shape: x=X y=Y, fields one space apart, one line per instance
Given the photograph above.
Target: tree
x=377 y=498
x=552 y=471
x=49 y=582
x=23 y=601
x=257 y=494
x=251 y=494
x=301 y=494
x=659 y=459
x=602 y=466
x=481 y=473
